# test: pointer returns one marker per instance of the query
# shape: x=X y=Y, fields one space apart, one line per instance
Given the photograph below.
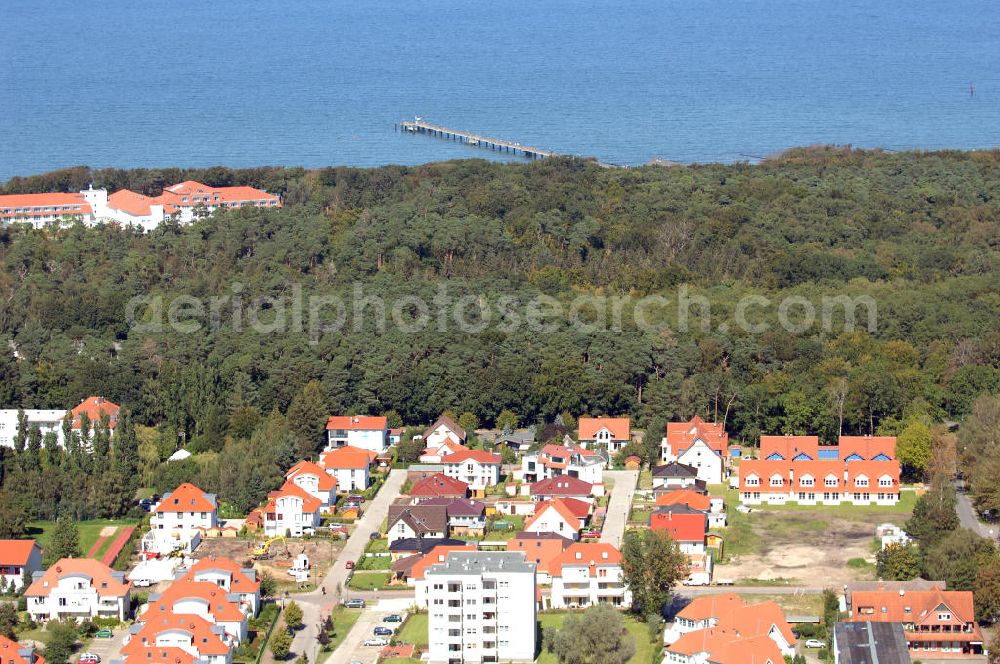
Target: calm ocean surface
x=317 y=82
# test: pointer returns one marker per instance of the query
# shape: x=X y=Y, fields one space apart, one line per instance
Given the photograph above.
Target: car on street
x=377 y=641
x=89 y=658
x=382 y=631
x=104 y=633
x=815 y=643
x=355 y=603
x=349 y=564
x=393 y=617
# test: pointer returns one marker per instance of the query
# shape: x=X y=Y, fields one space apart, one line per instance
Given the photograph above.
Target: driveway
x=312 y=603
x=967 y=514
x=108 y=649
x=619 y=505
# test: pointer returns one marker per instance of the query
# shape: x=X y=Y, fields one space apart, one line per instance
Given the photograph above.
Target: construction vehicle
x=263 y=550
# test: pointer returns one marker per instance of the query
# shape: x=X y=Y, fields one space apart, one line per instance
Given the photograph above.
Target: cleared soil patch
x=321 y=552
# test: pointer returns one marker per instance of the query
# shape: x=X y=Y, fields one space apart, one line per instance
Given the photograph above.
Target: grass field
x=370 y=581
x=791 y=604
x=343 y=621
x=414 y=630
x=89 y=531
x=645 y=650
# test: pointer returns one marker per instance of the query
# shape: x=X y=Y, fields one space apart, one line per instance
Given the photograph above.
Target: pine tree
x=307 y=417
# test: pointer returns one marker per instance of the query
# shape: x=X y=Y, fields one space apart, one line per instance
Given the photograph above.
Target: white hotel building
x=481 y=608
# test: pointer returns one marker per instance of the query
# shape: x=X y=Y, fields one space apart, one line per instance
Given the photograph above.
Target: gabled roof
x=326 y=482
x=222 y=605
x=539 y=548
x=620 y=427
x=347 y=457
x=710 y=606
x=674 y=469
x=205 y=636
x=310 y=503
x=95 y=408
x=422 y=519
x=682 y=523
x=423 y=544
x=12 y=652
x=440 y=484
x=137 y=204
x=436 y=556
x=923 y=605
x=681 y=435
x=479 y=456
x=580 y=554
x=448 y=423
x=357 y=423
x=241 y=580
x=11 y=202
x=186 y=498
x=867 y=447
x=154 y=655
x=741 y=633
x=103 y=579
x=789 y=446
x=563 y=485
x=687 y=497
x=16 y=552
x=458 y=506
x=561 y=508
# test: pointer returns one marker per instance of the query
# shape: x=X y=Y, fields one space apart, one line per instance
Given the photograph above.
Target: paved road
x=967 y=514
x=619 y=505
x=315 y=603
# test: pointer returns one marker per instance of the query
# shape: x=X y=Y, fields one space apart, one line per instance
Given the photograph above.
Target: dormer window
x=830 y=481
x=777 y=480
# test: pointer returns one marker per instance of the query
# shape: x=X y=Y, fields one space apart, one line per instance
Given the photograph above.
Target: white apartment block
x=476 y=468
x=363 y=432
x=46 y=421
x=79 y=589
x=481 y=608
x=587 y=575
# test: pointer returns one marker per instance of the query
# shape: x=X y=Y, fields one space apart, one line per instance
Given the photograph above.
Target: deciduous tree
x=595 y=636
x=653 y=564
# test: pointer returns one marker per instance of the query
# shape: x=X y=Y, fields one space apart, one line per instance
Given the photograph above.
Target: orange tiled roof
x=39 y=203
x=310 y=503
x=154 y=655
x=581 y=554
x=326 y=482
x=203 y=638
x=101 y=578
x=186 y=498
x=539 y=551
x=439 y=484
x=561 y=508
x=923 y=605
x=789 y=446
x=620 y=427
x=708 y=606
x=347 y=457
x=10 y=653
x=95 y=408
x=356 y=423
x=240 y=582
x=136 y=204
x=190 y=193
x=685 y=497
x=867 y=447
x=221 y=608
x=819 y=470
x=479 y=456
x=681 y=435
x=16 y=552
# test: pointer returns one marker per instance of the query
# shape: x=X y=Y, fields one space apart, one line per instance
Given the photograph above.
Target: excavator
x=262 y=550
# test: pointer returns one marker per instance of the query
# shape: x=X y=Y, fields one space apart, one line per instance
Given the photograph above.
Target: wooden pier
x=420 y=126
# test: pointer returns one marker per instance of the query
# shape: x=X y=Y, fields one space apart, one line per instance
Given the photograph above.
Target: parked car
x=374 y=536
x=393 y=617
x=355 y=498
x=89 y=658
x=309 y=531
x=744 y=508
x=142 y=583
x=815 y=643
x=590 y=534
x=349 y=564
x=382 y=631
x=355 y=603
x=377 y=641
x=104 y=633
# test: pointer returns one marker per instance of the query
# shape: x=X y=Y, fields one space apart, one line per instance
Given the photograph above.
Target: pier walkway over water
x=420 y=126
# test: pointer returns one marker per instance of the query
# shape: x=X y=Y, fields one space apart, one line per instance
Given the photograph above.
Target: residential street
x=313 y=603
x=619 y=505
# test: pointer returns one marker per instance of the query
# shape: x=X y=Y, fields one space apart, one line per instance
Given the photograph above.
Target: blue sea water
x=317 y=82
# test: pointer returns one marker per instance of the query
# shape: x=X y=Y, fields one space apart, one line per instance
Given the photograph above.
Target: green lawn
x=377 y=546
x=371 y=581
x=375 y=562
x=796 y=605
x=645 y=650
x=89 y=531
x=414 y=631
x=343 y=621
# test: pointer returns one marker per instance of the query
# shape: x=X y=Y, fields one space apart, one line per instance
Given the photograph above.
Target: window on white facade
x=753 y=480
x=777 y=481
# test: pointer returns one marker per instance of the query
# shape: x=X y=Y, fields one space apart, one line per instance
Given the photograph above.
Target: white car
x=815 y=643
x=378 y=641
x=743 y=508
